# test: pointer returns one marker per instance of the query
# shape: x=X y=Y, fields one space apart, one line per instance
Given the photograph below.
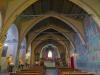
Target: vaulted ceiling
x=66 y=7
x=43 y=17
x=63 y=15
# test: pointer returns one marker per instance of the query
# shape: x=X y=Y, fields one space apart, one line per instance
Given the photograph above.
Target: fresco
x=11 y=42
x=10 y=46
x=23 y=50
x=93 y=43
x=89 y=54
x=81 y=50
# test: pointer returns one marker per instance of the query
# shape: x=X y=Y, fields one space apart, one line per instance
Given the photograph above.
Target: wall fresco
x=23 y=50
x=10 y=45
x=89 y=54
x=93 y=42
x=12 y=41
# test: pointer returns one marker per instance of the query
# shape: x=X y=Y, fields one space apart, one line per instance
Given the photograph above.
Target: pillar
x=17 y=55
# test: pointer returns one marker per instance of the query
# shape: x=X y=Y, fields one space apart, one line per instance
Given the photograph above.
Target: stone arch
x=56 y=39
x=58 y=54
x=25 y=4
x=58 y=29
x=11 y=44
x=12 y=32
x=46 y=37
x=89 y=9
x=39 y=44
x=67 y=21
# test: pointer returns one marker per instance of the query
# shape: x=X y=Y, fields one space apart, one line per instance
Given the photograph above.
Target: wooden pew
x=75 y=73
x=70 y=71
x=62 y=69
x=35 y=70
x=25 y=74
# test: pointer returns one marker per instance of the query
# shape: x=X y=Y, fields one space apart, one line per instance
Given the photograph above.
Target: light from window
x=50 y=54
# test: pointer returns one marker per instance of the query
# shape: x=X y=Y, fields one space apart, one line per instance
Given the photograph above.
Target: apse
x=50 y=54
x=49 y=51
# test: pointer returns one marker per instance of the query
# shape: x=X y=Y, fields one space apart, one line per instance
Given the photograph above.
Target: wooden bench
x=69 y=71
x=35 y=70
x=25 y=74
x=75 y=73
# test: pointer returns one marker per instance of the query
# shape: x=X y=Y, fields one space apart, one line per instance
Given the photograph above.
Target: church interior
x=49 y=37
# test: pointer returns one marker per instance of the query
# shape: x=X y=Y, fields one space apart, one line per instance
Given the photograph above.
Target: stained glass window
x=49 y=54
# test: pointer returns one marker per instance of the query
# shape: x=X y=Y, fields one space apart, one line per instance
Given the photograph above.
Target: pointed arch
x=75 y=25
x=56 y=28
x=26 y=3
x=12 y=41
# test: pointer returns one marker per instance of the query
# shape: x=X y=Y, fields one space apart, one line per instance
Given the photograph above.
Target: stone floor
x=51 y=72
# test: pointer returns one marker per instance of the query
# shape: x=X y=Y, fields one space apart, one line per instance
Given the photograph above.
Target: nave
x=60 y=36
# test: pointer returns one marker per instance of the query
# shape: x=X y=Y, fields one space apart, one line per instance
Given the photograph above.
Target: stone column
x=17 y=55
x=32 y=54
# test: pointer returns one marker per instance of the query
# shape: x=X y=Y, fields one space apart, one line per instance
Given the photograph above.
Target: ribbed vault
x=75 y=25
x=19 y=7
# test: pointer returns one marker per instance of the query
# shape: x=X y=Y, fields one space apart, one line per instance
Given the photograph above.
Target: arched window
x=49 y=54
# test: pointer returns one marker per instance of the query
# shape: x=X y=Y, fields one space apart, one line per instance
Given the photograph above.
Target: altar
x=49 y=63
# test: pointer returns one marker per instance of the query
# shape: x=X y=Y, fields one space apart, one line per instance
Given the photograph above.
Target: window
x=49 y=54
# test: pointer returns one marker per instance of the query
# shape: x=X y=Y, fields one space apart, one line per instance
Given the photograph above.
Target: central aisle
x=51 y=72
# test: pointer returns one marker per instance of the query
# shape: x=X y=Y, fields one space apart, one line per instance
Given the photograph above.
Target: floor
x=51 y=72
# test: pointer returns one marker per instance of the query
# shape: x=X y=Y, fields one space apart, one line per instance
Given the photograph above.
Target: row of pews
x=70 y=71
x=35 y=70
x=40 y=70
